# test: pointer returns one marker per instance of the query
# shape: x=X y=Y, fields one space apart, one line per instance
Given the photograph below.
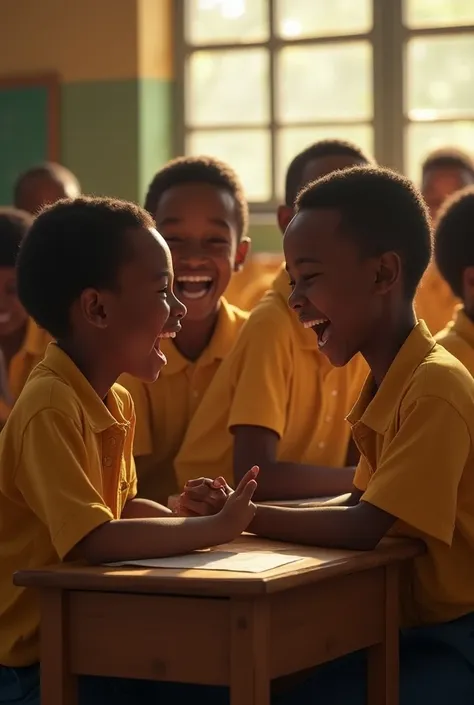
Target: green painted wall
x=115 y=134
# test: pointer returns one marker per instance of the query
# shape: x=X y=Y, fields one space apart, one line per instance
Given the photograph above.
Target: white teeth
x=194 y=279
x=167 y=335
x=192 y=294
x=316 y=322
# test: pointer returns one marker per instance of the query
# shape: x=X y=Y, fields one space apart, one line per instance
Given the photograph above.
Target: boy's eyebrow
x=307 y=260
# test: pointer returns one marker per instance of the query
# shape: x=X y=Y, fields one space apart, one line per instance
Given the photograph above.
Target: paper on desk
x=244 y=562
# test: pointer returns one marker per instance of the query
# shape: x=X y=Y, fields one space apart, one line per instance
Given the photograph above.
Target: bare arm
x=358 y=527
x=139 y=508
x=254 y=445
x=135 y=539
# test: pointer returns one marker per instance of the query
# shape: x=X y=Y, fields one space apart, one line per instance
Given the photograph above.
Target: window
x=265 y=78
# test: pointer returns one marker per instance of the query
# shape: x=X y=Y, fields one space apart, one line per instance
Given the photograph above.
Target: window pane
x=422 y=138
x=290 y=141
x=438 y=13
x=440 y=76
x=225 y=87
x=247 y=151
x=319 y=18
x=325 y=82
x=225 y=21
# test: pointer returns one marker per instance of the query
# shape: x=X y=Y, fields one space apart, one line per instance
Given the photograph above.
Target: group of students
x=255 y=399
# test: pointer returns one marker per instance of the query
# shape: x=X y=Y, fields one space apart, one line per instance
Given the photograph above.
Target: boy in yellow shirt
x=43 y=185
x=22 y=343
x=355 y=252
x=444 y=172
x=454 y=255
x=200 y=209
x=276 y=398
x=97 y=276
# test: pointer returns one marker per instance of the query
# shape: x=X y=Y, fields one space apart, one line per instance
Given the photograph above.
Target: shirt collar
x=219 y=346
x=376 y=412
x=35 y=339
x=307 y=338
x=99 y=416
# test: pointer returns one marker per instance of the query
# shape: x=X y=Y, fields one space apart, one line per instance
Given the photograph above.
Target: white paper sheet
x=244 y=562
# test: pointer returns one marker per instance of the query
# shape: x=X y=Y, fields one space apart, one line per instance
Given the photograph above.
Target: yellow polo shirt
x=31 y=352
x=458 y=338
x=66 y=467
x=416 y=438
x=434 y=301
x=277 y=378
x=165 y=408
x=247 y=287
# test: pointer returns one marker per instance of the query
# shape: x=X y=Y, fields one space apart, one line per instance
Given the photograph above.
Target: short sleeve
x=261 y=374
x=362 y=475
x=143 y=439
x=418 y=475
x=52 y=479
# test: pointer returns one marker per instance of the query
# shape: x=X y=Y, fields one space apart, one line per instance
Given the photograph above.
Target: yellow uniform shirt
x=66 y=467
x=277 y=378
x=416 y=438
x=434 y=301
x=458 y=338
x=165 y=407
x=247 y=287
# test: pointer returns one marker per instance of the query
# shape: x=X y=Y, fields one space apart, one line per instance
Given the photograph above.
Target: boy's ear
x=468 y=286
x=284 y=216
x=388 y=272
x=243 y=249
x=94 y=308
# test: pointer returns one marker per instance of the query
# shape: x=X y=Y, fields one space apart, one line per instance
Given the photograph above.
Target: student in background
x=22 y=343
x=43 y=185
x=200 y=209
x=97 y=276
x=444 y=172
x=276 y=398
x=454 y=255
x=356 y=251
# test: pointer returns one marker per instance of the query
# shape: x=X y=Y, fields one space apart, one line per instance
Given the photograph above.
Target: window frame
x=389 y=39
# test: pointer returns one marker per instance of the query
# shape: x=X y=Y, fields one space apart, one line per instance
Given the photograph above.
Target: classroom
x=237 y=352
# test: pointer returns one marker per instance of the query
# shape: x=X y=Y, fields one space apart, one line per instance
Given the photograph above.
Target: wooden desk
x=242 y=629
x=174 y=498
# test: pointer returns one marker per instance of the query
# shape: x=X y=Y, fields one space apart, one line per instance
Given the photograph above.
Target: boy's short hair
x=14 y=224
x=72 y=245
x=454 y=238
x=382 y=211
x=448 y=158
x=204 y=170
x=54 y=171
x=318 y=150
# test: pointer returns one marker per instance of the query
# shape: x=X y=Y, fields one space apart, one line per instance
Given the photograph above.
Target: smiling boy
x=199 y=208
x=355 y=251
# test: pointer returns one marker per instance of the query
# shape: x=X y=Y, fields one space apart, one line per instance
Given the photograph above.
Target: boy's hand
x=238 y=510
x=203 y=496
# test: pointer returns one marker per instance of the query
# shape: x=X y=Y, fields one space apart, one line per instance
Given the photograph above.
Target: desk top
x=317 y=564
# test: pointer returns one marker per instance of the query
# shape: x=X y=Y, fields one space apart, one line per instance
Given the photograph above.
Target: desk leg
x=249 y=663
x=383 y=663
x=58 y=685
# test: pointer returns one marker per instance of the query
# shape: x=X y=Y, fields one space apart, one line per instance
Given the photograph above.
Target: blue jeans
x=436 y=667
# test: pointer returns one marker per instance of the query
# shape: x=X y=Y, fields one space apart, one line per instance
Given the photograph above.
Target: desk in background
x=242 y=629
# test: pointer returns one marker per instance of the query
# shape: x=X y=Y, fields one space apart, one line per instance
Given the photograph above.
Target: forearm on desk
x=358 y=527
x=139 y=508
x=281 y=480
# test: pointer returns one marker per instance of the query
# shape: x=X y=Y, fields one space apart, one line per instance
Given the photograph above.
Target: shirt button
x=334 y=392
x=195 y=393
x=112 y=441
x=328 y=419
x=321 y=444
x=107 y=461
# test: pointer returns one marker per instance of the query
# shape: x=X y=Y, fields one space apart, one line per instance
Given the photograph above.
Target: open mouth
x=322 y=327
x=193 y=286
